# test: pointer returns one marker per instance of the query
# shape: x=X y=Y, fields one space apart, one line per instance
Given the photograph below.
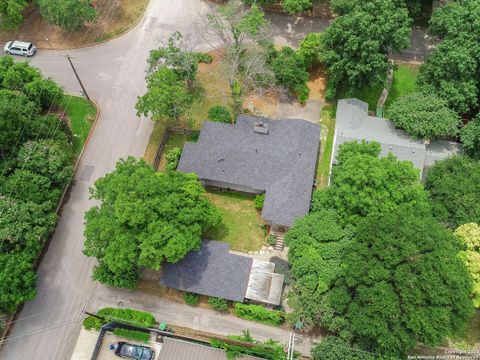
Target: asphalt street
x=113 y=74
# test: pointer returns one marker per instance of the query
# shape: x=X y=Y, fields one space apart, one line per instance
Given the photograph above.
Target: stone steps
x=280 y=242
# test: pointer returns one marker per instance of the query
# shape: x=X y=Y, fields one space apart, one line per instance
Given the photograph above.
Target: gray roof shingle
x=282 y=162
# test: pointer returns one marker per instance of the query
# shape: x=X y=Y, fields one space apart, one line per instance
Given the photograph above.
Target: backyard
x=174 y=140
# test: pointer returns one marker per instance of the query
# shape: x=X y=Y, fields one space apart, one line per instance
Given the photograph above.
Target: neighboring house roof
x=354 y=124
x=211 y=271
x=280 y=161
x=173 y=349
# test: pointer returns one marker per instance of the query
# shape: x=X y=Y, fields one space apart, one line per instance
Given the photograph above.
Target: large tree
x=470 y=136
x=335 y=348
x=363 y=184
x=144 y=219
x=424 y=116
x=454 y=186
x=356 y=45
x=68 y=14
x=11 y=13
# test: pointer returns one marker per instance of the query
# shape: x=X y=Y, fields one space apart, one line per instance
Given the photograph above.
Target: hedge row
x=128 y=316
x=270 y=350
x=259 y=313
x=132 y=335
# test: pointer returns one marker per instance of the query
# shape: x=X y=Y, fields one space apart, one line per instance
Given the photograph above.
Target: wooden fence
x=169 y=131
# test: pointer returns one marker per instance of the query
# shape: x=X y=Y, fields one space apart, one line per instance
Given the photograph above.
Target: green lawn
x=327 y=122
x=241 y=223
x=81 y=115
x=404 y=82
x=155 y=138
x=174 y=140
x=370 y=95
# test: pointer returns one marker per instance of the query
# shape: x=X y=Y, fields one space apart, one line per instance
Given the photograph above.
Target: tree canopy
x=357 y=43
x=144 y=219
x=334 y=348
x=470 y=136
x=68 y=14
x=424 y=116
x=454 y=187
x=11 y=13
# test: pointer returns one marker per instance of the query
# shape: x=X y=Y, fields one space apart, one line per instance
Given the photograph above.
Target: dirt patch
x=115 y=17
x=317 y=84
x=262 y=105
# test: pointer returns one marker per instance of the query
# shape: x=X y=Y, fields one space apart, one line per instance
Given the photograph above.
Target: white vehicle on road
x=20 y=48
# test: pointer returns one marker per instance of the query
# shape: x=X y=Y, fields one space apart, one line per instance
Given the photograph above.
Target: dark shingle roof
x=282 y=162
x=211 y=271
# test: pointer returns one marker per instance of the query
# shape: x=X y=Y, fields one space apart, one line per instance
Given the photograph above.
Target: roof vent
x=260 y=127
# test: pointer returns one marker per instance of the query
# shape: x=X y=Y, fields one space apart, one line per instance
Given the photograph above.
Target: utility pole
x=78 y=77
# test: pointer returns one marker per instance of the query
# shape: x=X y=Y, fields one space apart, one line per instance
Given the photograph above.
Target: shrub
x=271 y=240
x=132 y=334
x=219 y=113
x=259 y=200
x=204 y=58
x=310 y=48
x=190 y=299
x=129 y=316
x=283 y=267
x=173 y=156
x=259 y=313
x=218 y=304
x=270 y=349
x=91 y=322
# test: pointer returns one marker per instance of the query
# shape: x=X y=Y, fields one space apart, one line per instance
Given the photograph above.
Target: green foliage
x=204 y=58
x=424 y=116
x=363 y=184
x=270 y=349
x=271 y=240
x=173 y=156
x=296 y=6
x=354 y=57
x=166 y=96
x=128 y=316
x=191 y=299
x=259 y=313
x=68 y=14
x=470 y=236
x=144 y=219
x=454 y=186
x=316 y=244
x=91 y=322
x=219 y=113
x=28 y=186
x=218 y=304
x=334 y=348
x=132 y=335
x=11 y=13
x=290 y=72
x=470 y=136
x=259 y=201
x=310 y=49
x=283 y=267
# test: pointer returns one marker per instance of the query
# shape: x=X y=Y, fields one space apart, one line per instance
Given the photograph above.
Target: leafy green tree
x=166 y=96
x=334 y=348
x=356 y=45
x=470 y=235
x=178 y=56
x=144 y=219
x=290 y=72
x=68 y=14
x=310 y=49
x=455 y=18
x=424 y=116
x=454 y=186
x=363 y=184
x=296 y=6
x=24 y=185
x=401 y=282
x=219 y=113
x=11 y=13
x=470 y=136
x=316 y=245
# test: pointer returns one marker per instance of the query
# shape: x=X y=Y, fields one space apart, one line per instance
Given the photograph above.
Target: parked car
x=20 y=48
x=132 y=351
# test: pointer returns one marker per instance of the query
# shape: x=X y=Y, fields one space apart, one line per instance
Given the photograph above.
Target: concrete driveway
x=113 y=73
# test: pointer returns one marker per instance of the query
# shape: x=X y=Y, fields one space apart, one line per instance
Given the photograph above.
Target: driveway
x=113 y=74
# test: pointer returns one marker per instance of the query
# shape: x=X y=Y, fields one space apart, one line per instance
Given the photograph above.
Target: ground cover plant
x=259 y=313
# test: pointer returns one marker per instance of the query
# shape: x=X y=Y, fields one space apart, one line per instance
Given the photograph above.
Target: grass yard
x=174 y=140
x=370 y=95
x=404 y=82
x=155 y=138
x=81 y=115
x=241 y=223
x=327 y=123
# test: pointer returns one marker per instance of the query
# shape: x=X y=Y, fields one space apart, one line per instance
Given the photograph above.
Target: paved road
x=113 y=74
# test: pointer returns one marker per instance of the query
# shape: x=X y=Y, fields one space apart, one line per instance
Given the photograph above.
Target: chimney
x=260 y=127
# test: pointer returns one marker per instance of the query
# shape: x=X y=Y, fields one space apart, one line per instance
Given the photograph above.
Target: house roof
x=354 y=124
x=211 y=271
x=280 y=161
x=173 y=349
x=264 y=285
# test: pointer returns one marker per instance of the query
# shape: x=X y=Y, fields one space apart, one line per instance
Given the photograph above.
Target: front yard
x=241 y=225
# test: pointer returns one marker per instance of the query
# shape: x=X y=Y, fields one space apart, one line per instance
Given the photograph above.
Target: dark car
x=132 y=351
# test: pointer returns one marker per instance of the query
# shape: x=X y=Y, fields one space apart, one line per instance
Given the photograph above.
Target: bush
x=132 y=335
x=129 y=316
x=283 y=267
x=91 y=322
x=204 y=58
x=271 y=240
x=218 y=304
x=310 y=48
x=190 y=299
x=270 y=349
x=173 y=156
x=296 y=6
x=219 y=113
x=259 y=313
x=259 y=200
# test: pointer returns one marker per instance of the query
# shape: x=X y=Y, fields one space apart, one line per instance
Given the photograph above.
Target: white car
x=20 y=48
